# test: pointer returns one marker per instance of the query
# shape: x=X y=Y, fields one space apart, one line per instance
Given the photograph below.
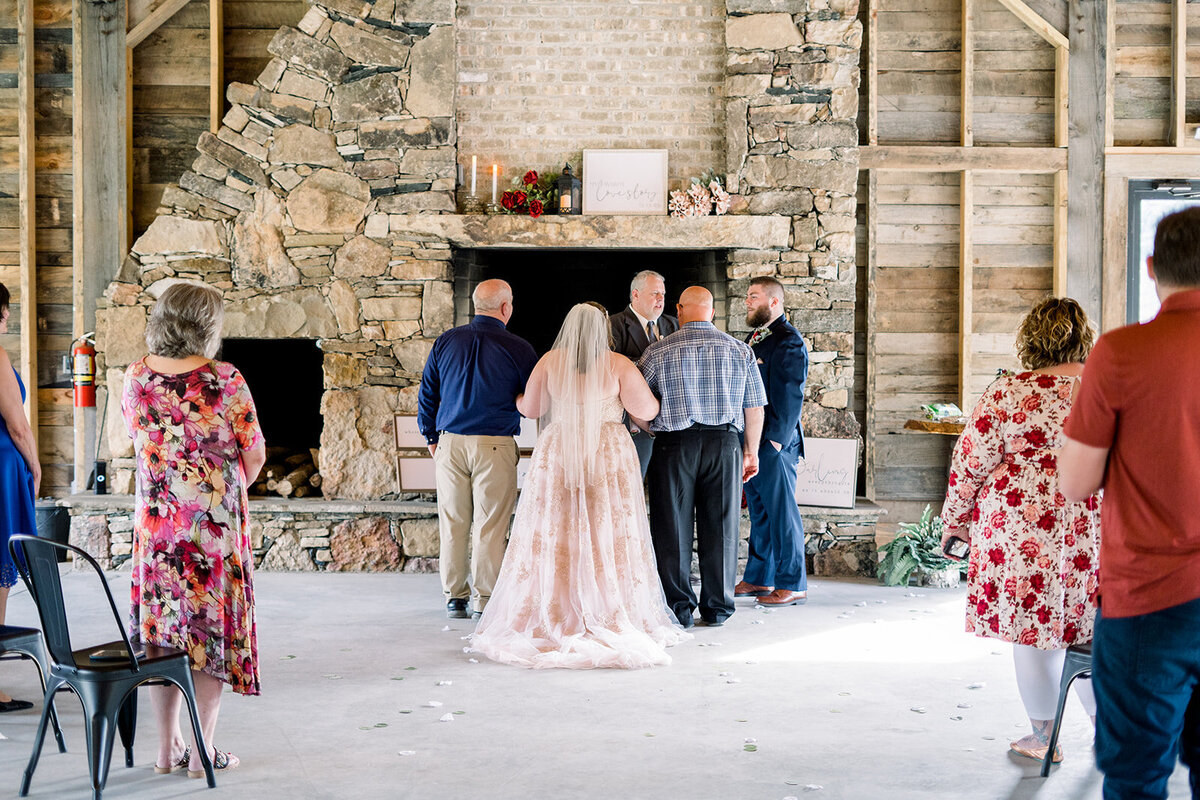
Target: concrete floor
x=866 y=692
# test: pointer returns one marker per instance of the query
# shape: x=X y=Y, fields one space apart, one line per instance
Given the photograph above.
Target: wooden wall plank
x=100 y=175
x=1178 y=71
x=27 y=144
x=1085 y=201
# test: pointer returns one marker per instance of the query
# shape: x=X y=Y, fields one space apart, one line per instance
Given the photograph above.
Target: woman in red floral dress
x=199 y=445
x=1033 y=569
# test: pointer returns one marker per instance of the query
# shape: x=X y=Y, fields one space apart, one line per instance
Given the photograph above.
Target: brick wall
x=540 y=80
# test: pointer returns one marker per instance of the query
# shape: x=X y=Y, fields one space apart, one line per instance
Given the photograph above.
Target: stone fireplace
x=324 y=207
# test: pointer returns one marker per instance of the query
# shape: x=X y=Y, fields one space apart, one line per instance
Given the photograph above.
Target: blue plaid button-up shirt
x=702 y=376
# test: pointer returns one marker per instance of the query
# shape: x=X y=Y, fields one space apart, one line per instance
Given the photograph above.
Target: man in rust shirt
x=1135 y=431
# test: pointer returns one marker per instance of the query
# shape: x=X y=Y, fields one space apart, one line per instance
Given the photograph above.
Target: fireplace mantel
x=767 y=232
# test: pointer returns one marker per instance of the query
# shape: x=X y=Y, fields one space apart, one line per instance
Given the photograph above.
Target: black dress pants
x=695 y=484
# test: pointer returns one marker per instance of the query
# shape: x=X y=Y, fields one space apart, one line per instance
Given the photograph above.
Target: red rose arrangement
x=531 y=194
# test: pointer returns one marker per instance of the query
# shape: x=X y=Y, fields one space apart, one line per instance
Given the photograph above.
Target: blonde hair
x=1055 y=331
x=186 y=321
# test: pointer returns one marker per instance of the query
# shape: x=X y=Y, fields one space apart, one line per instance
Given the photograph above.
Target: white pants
x=1038 y=675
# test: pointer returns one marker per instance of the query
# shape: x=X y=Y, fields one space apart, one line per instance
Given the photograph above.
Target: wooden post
x=26 y=144
x=872 y=300
x=966 y=127
x=872 y=72
x=1062 y=56
x=966 y=293
x=1085 y=196
x=98 y=141
x=216 y=64
x=1178 y=70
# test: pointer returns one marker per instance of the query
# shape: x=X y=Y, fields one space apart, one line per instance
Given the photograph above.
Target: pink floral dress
x=192 y=559
x=1033 y=569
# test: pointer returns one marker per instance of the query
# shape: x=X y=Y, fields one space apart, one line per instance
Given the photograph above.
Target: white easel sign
x=624 y=181
x=828 y=473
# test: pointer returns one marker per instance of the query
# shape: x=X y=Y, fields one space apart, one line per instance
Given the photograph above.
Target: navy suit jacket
x=629 y=337
x=783 y=363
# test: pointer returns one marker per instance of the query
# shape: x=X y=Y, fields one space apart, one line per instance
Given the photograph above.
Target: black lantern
x=570 y=192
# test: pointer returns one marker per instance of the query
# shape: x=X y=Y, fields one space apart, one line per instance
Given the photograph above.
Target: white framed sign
x=625 y=182
x=409 y=436
x=828 y=473
x=417 y=474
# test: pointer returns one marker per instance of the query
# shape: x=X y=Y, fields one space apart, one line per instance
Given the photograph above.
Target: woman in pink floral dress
x=198 y=446
x=1033 y=569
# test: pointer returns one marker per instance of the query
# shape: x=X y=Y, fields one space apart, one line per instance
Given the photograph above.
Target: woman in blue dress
x=20 y=476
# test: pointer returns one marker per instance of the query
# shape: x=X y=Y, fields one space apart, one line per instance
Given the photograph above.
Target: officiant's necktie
x=651 y=333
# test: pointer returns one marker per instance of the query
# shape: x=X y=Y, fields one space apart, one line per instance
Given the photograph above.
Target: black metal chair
x=1077 y=664
x=26 y=643
x=104 y=676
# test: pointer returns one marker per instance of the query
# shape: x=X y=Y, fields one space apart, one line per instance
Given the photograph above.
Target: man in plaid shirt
x=711 y=393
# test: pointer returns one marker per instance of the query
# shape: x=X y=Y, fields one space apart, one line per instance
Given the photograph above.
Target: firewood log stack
x=289 y=473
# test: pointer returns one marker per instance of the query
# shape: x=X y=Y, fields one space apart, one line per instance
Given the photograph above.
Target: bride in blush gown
x=578 y=588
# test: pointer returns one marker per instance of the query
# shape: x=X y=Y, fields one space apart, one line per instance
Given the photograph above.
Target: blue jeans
x=1146 y=670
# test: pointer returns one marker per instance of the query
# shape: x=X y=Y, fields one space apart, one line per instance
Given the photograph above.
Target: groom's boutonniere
x=759 y=335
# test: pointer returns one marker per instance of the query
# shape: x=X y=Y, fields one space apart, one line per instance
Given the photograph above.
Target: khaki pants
x=476 y=493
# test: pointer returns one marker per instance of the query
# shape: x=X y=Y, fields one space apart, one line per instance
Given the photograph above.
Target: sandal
x=1037 y=753
x=179 y=763
x=222 y=762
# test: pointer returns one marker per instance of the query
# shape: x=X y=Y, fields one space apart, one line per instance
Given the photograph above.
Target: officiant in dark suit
x=634 y=329
x=775 y=572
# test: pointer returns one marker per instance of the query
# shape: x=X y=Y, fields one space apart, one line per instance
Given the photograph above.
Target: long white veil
x=577 y=376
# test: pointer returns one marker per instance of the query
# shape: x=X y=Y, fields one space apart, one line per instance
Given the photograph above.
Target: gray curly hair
x=186 y=321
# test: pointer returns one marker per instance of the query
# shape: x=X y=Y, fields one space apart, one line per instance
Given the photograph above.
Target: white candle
x=495 y=176
x=473 y=160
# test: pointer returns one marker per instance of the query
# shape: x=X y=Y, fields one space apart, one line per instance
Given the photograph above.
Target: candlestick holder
x=494 y=208
x=473 y=204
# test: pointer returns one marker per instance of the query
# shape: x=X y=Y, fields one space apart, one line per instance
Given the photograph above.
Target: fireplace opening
x=286 y=378
x=547 y=282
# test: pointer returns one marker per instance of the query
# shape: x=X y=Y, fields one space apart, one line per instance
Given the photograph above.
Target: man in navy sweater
x=775 y=572
x=468 y=415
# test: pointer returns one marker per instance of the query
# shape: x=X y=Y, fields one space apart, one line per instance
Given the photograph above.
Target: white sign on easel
x=828 y=473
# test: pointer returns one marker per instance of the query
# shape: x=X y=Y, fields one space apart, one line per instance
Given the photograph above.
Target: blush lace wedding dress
x=578 y=588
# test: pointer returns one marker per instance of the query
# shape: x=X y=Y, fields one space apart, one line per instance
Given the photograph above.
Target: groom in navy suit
x=775 y=571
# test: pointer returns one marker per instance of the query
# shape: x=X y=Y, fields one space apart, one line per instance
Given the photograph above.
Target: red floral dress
x=1033 y=569
x=192 y=559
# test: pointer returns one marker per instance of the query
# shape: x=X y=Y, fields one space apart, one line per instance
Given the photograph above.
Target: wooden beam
x=966 y=293
x=129 y=193
x=216 y=64
x=1053 y=11
x=98 y=61
x=26 y=145
x=872 y=306
x=967 y=77
x=153 y=22
x=1178 y=71
x=1110 y=71
x=1035 y=22
x=872 y=72
x=920 y=158
x=1085 y=181
x=1059 y=276
x=1062 y=81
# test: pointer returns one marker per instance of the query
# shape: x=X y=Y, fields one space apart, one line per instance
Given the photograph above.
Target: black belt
x=699 y=426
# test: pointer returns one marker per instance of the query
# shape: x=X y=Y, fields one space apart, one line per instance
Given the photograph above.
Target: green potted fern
x=916 y=552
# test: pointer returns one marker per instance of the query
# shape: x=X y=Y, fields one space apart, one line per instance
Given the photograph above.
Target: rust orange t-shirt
x=1140 y=397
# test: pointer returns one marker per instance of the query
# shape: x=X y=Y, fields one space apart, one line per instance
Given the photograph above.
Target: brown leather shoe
x=784 y=597
x=744 y=589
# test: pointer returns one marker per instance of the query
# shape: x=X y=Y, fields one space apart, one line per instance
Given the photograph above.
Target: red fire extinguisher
x=83 y=372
